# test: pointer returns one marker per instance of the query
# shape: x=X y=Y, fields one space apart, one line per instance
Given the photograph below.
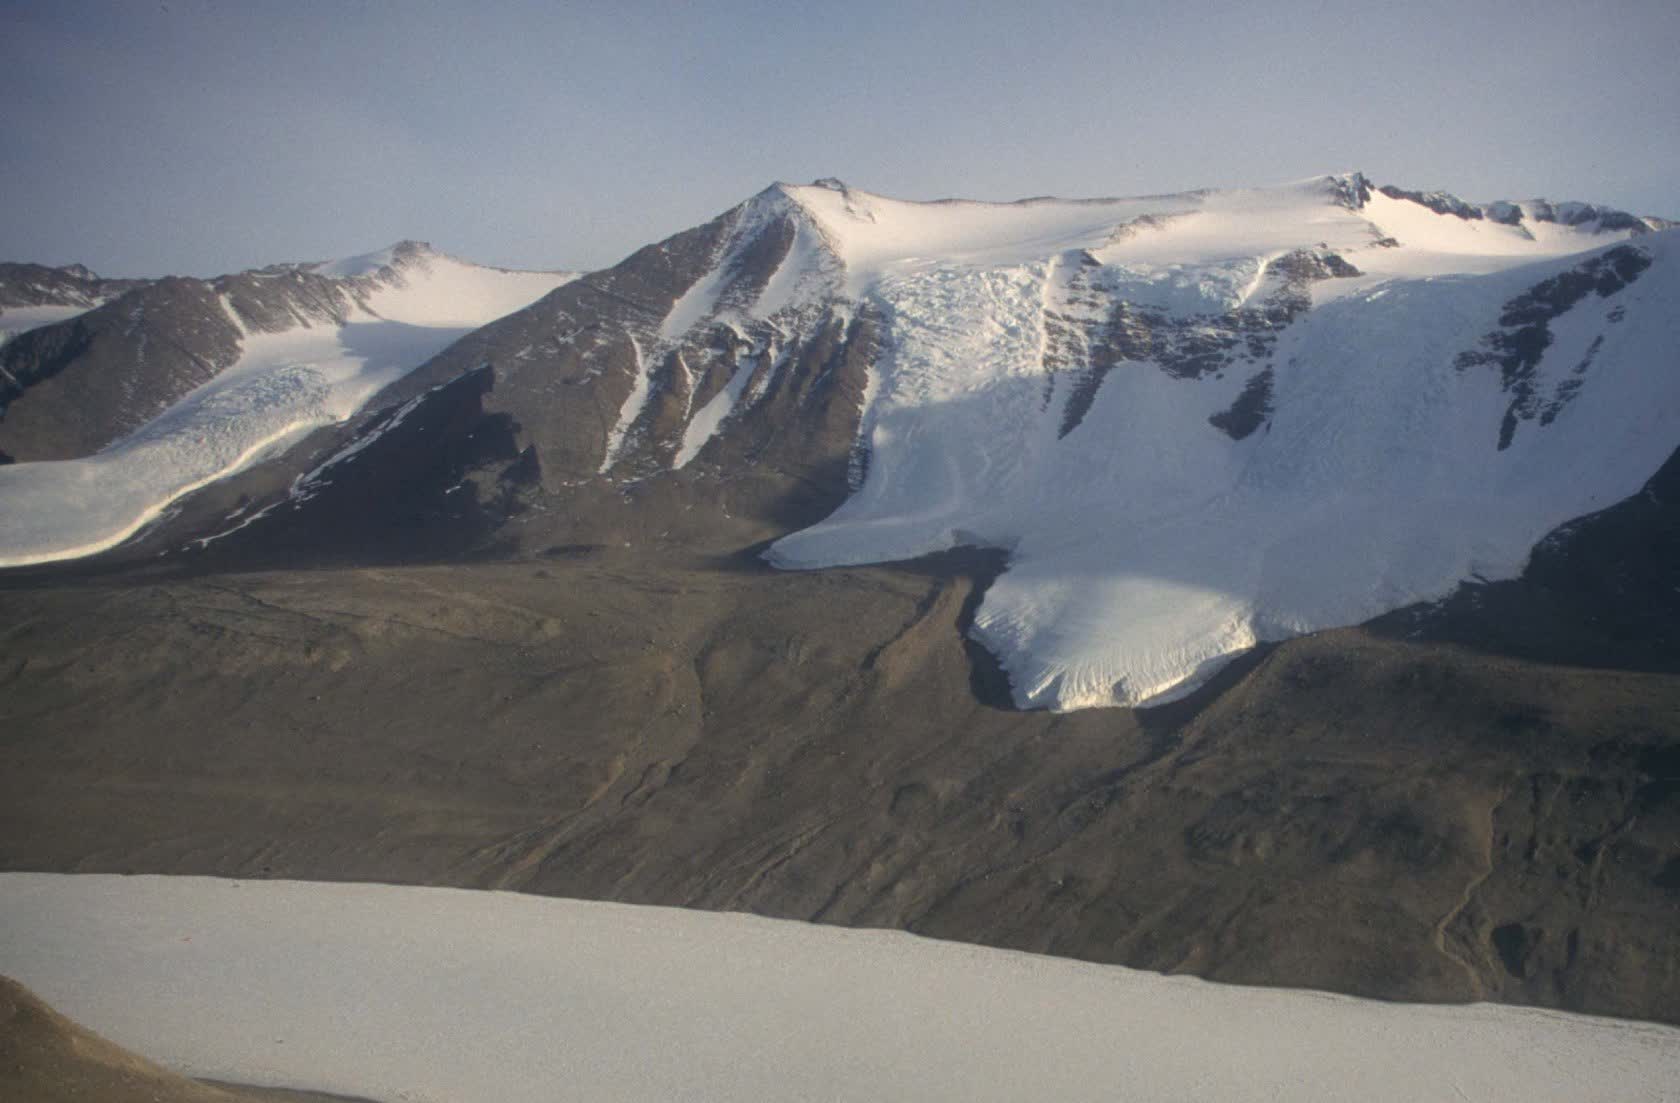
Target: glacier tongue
x=1148 y=545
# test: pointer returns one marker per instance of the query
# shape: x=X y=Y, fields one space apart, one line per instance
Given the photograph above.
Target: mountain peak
x=408 y=247
x=367 y=264
x=1351 y=189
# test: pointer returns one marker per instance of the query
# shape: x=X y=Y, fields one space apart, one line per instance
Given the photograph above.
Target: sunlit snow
x=433 y=995
x=1147 y=547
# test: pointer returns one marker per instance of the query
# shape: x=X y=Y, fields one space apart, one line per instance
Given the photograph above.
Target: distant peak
x=1351 y=189
x=785 y=190
x=366 y=264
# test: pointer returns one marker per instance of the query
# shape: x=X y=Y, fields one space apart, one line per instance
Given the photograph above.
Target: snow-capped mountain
x=1194 y=422
x=181 y=382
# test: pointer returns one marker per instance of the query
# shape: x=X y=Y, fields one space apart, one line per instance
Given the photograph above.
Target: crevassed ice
x=1148 y=548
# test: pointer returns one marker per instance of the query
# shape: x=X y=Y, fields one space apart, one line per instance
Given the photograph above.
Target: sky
x=196 y=137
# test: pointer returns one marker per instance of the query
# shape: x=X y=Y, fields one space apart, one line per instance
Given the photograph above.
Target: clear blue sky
x=201 y=136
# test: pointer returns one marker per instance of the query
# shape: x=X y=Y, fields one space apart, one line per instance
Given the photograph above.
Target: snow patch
x=703 y=426
x=696 y=304
x=640 y=387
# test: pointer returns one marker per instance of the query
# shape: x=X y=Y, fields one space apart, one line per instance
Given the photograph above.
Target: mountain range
x=1195 y=423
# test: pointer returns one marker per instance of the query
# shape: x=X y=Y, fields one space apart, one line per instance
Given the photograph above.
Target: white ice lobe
x=1147 y=545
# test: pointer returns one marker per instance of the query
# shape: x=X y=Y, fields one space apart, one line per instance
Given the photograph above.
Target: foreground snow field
x=420 y=994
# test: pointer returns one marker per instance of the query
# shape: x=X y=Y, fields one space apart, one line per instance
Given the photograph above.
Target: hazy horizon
x=196 y=138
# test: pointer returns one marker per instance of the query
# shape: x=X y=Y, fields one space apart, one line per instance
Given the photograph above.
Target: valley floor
x=1351 y=811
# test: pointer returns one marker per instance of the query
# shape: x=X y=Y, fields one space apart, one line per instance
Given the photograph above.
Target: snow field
x=450 y=996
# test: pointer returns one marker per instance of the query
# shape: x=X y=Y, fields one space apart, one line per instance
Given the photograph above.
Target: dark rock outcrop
x=1525 y=334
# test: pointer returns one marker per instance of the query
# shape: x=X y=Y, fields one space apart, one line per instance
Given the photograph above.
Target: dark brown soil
x=1399 y=818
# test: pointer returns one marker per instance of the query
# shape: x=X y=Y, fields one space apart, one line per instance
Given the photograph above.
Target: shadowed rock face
x=433 y=478
x=557 y=380
x=567 y=365
x=1607 y=219
x=1601 y=591
x=1250 y=410
x=70 y=289
x=1438 y=201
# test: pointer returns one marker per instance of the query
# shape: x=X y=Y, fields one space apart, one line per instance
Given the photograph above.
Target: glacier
x=1149 y=544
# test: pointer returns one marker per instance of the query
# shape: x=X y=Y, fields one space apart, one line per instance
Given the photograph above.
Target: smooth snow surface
x=873 y=235
x=363 y=264
x=1147 y=546
x=283 y=385
x=706 y=421
x=21 y=319
x=451 y=996
x=428 y=288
